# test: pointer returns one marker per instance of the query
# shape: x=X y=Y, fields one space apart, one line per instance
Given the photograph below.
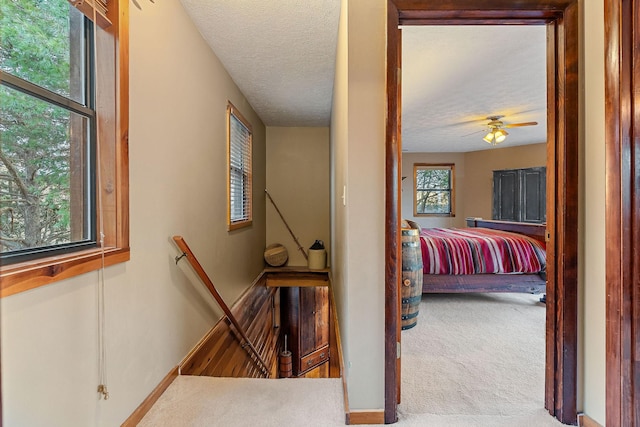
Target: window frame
x=86 y=109
x=112 y=110
x=434 y=166
x=247 y=218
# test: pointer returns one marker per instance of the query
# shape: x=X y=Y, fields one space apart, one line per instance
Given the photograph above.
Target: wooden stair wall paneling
x=336 y=363
x=321 y=371
x=302 y=277
x=221 y=353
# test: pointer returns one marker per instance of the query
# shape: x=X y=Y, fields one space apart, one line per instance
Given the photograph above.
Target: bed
x=487 y=256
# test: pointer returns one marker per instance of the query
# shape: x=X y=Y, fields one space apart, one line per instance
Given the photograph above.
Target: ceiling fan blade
x=516 y=125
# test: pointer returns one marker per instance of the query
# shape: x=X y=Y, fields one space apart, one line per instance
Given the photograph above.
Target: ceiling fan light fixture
x=489 y=137
x=500 y=135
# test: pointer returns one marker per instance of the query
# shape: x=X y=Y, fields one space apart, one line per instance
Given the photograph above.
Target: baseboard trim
x=137 y=415
x=345 y=395
x=365 y=417
x=585 y=421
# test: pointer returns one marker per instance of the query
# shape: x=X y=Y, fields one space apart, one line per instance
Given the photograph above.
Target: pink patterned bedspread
x=479 y=250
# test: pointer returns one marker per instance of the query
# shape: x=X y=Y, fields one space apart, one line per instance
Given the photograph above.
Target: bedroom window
x=62 y=140
x=433 y=190
x=239 y=176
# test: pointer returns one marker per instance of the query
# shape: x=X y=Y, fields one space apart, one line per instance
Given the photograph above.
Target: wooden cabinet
x=305 y=321
x=520 y=195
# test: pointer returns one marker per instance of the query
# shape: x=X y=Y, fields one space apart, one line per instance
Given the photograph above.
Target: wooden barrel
x=285 y=364
x=411 y=277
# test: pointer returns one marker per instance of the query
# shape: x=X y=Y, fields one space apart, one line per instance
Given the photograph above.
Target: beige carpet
x=472 y=360
x=244 y=402
x=475 y=360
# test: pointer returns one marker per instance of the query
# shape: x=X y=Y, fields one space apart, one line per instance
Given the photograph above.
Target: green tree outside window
x=46 y=126
x=434 y=192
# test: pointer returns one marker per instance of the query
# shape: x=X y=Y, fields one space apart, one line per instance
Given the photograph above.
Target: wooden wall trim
x=565 y=238
x=622 y=216
x=585 y=421
x=393 y=181
x=365 y=417
x=552 y=178
x=336 y=359
x=153 y=397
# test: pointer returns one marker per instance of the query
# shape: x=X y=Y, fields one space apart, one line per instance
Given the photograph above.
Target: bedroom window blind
x=239 y=170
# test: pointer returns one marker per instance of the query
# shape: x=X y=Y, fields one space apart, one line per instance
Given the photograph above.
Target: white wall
x=358 y=140
x=156 y=311
x=298 y=180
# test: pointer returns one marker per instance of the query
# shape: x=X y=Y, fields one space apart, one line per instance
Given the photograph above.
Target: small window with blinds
x=239 y=176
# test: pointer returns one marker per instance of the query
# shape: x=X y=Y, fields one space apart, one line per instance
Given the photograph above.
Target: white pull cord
x=101 y=306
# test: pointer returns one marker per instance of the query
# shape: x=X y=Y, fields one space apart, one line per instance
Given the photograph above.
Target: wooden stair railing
x=186 y=252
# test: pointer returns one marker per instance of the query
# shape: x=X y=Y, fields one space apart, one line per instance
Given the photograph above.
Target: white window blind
x=240 y=167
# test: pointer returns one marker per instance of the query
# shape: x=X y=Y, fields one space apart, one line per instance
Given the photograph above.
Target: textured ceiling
x=283 y=58
x=280 y=54
x=453 y=77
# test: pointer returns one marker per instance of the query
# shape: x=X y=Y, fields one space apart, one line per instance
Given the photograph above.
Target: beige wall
x=473 y=179
x=592 y=204
x=339 y=138
x=156 y=311
x=298 y=170
x=479 y=167
x=357 y=143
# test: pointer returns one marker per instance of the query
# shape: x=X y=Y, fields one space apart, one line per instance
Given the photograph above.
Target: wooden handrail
x=186 y=252
x=295 y=239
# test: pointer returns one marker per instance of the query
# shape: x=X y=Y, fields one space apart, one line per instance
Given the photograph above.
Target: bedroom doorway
x=561 y=21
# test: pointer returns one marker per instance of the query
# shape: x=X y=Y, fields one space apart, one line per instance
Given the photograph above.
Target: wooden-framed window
x=434 y=189
x=64 y=125
x=239 y=176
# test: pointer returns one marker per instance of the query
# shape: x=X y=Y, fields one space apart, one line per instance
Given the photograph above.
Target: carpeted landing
x=471 y=360
x=245 y=402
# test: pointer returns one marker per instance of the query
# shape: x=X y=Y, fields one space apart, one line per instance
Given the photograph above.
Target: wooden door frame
x=622 y=215
x=562 y=21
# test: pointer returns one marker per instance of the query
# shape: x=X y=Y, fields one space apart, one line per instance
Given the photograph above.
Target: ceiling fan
x=497 y=132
